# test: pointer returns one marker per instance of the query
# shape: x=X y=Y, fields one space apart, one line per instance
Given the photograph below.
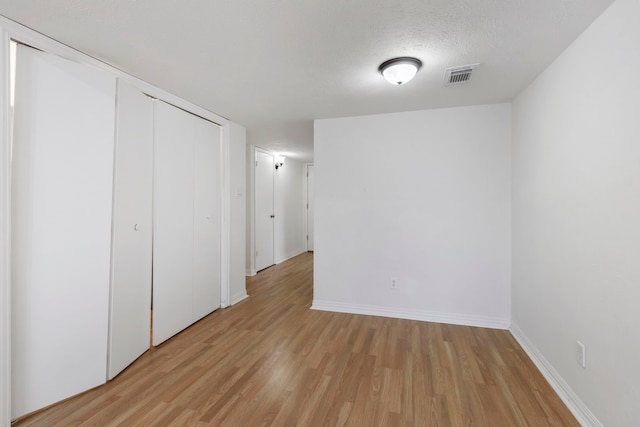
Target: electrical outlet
x=581 y=354
x=394 y=283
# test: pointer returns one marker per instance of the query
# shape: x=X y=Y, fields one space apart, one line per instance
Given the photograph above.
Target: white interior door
x=61 y=228
x=310 y=186
x=130 y=314
x=206 y=218
x=173 y=221
x=265 y=168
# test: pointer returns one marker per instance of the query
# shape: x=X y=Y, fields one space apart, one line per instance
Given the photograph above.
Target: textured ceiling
x=275 y=65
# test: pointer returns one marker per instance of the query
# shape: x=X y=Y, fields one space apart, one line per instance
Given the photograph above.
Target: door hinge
x=307 y=205
x=307 y=237
x=256 y=163
x=256 y=253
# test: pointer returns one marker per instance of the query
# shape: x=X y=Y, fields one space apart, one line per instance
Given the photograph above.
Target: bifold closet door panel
x=173 y=221
x=61 y=228
x=206 y=262
x=130 y=315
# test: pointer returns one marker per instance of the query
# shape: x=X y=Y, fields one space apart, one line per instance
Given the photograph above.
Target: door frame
x=305 y=201
x=10 y=30
x=5 y=232
x=252 y=250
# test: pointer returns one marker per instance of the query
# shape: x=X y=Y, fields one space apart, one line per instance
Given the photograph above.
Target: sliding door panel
x=206 y=262
x=61 y=228
x=130 y=316
x=173 y=222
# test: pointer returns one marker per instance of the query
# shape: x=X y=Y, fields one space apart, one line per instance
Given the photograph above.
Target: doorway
x=310 y=207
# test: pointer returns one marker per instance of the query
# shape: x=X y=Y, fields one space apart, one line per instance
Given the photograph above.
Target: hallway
x=270 y=360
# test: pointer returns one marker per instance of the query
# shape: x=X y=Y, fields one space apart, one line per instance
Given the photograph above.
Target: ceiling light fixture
x=398 y=71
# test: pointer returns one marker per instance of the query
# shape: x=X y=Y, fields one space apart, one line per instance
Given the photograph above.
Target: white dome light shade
x=398 y=71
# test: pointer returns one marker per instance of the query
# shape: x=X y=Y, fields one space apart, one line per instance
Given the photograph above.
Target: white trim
x=426 y=316
x=577 y=407
x=241 y=296
x=291 y=255
x=5 y=235
x=251 y=211
x=225 y=231
x=305 y=203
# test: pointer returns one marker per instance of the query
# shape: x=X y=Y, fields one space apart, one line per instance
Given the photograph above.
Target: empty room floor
x=270 y=360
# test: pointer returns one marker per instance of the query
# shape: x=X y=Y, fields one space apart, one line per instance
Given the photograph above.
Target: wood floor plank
x=271 y=361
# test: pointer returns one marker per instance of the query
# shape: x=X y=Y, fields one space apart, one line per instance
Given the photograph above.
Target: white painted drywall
x=423 y=197
x=576 y=214
x=288 y=193
x=238 y=186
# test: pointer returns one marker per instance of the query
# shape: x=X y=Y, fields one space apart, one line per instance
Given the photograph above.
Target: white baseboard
x=577 y=407
x=251 y=273
x=238 y=297
x=290 y=255
x=450 y=318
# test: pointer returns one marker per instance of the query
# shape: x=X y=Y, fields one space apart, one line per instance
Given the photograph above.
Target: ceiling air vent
x=458 y=75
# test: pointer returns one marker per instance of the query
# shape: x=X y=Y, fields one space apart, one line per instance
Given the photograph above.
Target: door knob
x=136 y=227
x=273 y=216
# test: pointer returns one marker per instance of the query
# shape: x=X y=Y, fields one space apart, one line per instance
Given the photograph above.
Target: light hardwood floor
x=271 y=361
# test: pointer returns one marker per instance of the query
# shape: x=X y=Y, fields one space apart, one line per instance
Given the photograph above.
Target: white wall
x=576 y=215
x=289 y=233
x=238 y=188
x=423 y=197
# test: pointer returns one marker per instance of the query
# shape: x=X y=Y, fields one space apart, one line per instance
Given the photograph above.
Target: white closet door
x=61 y=228
x=130 y=316
x=206 y=262
x=173 y=222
